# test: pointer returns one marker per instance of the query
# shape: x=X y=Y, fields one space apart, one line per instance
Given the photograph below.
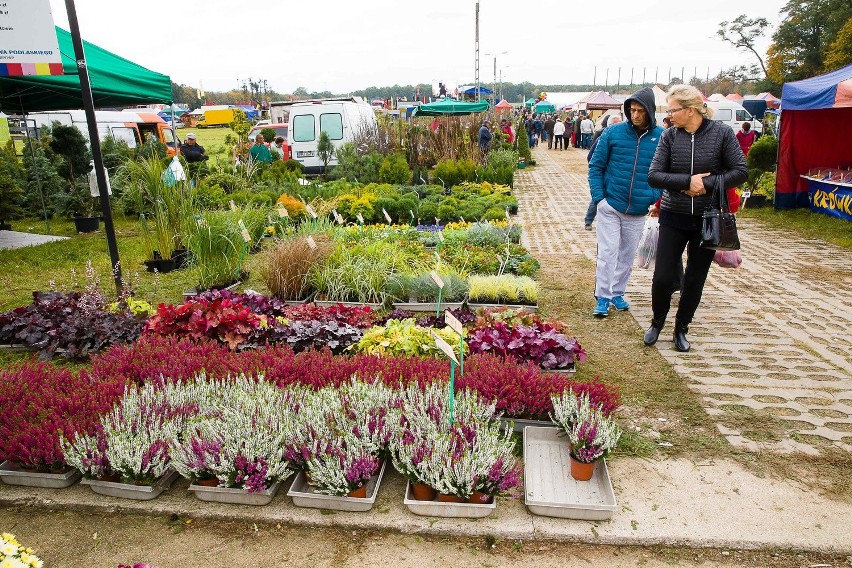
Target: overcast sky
x=343 y=45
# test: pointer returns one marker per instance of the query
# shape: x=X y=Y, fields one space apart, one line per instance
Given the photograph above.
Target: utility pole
x=618 y=81
x=595 y=77
x=631 y=77
x=643 y=75
x=607 y=78
x=476 y=48
x=94 y=140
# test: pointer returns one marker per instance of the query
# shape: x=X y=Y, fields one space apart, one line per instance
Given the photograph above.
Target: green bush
x=763 y=154
x=523 y=143
x=394 y=169
x=12 y=179
x=268 y=134
x=152 y=148
x=364 y=169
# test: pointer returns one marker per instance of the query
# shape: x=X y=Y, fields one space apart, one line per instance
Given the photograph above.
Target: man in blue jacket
x=618 y=180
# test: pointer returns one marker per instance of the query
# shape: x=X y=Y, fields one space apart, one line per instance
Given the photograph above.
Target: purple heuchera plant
x=538 y=343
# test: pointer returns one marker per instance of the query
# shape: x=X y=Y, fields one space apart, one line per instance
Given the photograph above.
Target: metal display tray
x=235 y=496
x=130 y=491
x=549 y=489
x=304 y=496
x=450 y=510
x=13 y=475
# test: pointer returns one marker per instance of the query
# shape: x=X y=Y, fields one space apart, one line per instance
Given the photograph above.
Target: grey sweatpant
x=618 y=239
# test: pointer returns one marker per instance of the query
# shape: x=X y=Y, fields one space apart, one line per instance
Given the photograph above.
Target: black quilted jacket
x=712 y=148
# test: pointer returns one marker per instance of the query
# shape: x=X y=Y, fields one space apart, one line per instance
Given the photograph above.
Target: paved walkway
x=17 y=239
x=772 y=335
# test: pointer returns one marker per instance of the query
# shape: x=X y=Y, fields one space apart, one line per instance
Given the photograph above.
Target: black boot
x=680 y=342
x=653 y=332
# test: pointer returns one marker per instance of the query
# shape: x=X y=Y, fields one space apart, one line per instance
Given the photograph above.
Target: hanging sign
x=28 y=43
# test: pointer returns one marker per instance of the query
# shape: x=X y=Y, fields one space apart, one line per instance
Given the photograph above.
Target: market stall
x=815 y=126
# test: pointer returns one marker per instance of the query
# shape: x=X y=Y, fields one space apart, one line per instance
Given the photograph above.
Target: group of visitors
x=638 y=168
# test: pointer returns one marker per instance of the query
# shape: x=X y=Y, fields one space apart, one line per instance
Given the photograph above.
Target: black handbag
x=718 y=224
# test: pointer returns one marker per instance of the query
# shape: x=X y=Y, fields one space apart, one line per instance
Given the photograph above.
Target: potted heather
x=223 y=464
x=128 y=456
x=591 y=435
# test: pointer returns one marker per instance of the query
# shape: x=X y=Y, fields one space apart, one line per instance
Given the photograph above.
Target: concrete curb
x=673 y=503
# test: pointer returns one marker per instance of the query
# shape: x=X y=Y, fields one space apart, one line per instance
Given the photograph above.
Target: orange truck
x=129 y=126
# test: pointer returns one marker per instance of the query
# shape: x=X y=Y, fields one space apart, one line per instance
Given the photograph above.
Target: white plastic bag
x=646 y=255
x=174 y=173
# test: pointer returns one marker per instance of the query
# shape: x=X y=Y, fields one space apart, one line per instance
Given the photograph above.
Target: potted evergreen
x=69 y=144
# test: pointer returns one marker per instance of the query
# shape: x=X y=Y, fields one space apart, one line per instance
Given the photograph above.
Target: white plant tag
x=437 y=279
x=310 y=211
x=441 y=236
x=246 y=236
x=445 y=347
x=388 y=217
x=233 y=206
x=453 y=323
x=462 y=219
x=311 y=242
x=746 y=194
x=360 y=218
x=282 y=211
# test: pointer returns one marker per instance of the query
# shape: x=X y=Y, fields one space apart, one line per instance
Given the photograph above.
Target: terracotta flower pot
x=480 y=498
x=423 y=492
x=582 y=471
x=444 y=498
x=360 y=493
x=208 y=482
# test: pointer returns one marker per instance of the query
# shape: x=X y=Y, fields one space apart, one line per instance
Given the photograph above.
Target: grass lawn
x=805 y=223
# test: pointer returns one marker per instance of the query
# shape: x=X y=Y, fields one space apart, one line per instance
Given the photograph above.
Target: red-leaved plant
x=224 y=320
x=40 y=401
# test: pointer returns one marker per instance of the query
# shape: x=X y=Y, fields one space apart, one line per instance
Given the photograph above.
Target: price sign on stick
x=311 y=243
x=310 y=211
x=448 y=351
x=360 y=218
x=242 y=225
x=437 y=279
x=441 y=236
x=462 y=219
x=282 y=211
x=410 y=212
x=337 y=216
x=456 y=326
x=233 y=206
x=509 y=219
x=246 y=236
x=388 y=217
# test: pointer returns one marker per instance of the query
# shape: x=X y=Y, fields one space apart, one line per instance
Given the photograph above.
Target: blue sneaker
x=601 y=308
x=620 y=303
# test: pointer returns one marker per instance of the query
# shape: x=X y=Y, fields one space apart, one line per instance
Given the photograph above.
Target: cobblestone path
x=773 y=335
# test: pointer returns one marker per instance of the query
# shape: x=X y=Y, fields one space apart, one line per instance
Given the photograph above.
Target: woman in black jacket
x=689 y=159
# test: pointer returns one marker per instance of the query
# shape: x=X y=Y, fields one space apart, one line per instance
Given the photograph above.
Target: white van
x=341 y=120
x=733 y=114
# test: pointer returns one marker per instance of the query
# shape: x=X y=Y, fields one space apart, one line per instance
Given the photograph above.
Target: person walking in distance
x=692 y=156
x=746 y=137
x=618 y=180
x=549 y=124
x=558 y=134
x=587 y=128
x=485 y=137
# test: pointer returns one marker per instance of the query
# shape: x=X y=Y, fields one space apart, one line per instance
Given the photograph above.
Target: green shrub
x=523 y=143
x=394 y=169
x=404 y=337
x=763 y=154
x=268 y=134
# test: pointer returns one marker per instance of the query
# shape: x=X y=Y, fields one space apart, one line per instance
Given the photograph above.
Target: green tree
x=743 y=33
x=12 y=179
x=523 y=142
x=800 y=45
x=840 y=51
x=68 y=143
x=394 y=169
x=325 y=150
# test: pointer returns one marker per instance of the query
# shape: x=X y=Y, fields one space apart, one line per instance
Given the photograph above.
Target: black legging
x=558 y=143
x=672 y=242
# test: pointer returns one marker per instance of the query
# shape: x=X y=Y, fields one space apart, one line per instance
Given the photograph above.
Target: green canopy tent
x=450 y=107
x=545 y=106
x=529 y=103
x=116 y=82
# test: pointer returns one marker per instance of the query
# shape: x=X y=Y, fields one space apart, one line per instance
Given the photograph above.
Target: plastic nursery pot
x=360 y=493
x=208 y=482
x=423 y=492
x=582 y=471
x=444 y=498
x=479 y=498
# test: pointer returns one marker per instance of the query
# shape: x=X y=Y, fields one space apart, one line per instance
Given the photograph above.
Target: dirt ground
x=68 y=539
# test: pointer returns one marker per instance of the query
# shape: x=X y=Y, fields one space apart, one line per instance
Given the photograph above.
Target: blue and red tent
x=816 y=131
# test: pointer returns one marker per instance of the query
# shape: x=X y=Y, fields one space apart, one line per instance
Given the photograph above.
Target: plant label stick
x=388 y=217
x=360 y=218
x=453 y=323
x=337 y=216
x=311 y=211
x=441 y=236
x=246 y=236
x=233 y=207
x=242 y=224
x=438 y=257
x=282 y=211
x=437 y=221
x=412 y=214
x=437 y=279
x=311 y=243
x=509 y=219
x=462 y=219
x=444 y=347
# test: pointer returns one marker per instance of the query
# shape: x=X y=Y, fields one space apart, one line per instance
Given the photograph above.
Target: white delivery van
x=343 y=121
x=733 y=114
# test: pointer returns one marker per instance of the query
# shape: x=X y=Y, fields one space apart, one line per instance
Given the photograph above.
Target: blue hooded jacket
x=618 y=171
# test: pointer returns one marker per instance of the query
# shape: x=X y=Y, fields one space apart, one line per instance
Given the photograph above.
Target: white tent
x=660 y=99
x=562 y=100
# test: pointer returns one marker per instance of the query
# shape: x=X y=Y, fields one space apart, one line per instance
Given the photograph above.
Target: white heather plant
x=134 y=437
x=591 y=434
x=474 y=454
x=239 y=436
